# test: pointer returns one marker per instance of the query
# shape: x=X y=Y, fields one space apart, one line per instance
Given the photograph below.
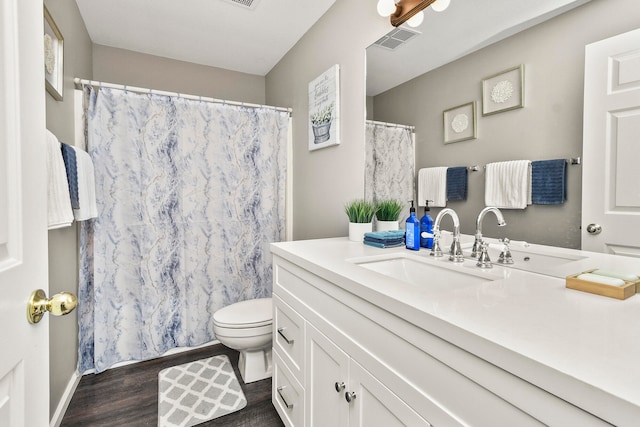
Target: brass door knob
x=58 y=305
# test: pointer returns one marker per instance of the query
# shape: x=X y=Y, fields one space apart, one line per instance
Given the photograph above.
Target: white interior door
x=24 y=357
x=611 y=146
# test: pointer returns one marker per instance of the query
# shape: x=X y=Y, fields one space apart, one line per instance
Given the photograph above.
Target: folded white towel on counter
x=508 y=184
x=59 y=211
x=86 y=187
x=432 y=185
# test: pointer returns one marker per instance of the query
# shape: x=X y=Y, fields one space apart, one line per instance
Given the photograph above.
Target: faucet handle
x=483 y=260
x=505 y=256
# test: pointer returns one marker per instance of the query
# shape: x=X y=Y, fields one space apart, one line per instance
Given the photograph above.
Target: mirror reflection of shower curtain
x=390 y=164
x=190 y=194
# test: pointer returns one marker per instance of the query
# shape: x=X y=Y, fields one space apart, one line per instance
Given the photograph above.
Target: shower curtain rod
x=135 y=89
x=392 y=125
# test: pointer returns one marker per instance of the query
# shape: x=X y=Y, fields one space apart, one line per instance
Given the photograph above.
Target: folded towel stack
x=384 y=239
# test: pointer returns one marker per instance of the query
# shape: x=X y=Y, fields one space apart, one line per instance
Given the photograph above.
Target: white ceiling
x=209 y=32
x=221 y=34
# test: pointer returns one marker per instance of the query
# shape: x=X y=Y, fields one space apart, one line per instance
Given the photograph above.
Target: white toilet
x=246 y=326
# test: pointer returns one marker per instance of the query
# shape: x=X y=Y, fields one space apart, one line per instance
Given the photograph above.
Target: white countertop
x=581 y=347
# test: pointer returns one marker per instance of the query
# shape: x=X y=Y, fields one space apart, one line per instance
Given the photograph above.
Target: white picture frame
x=503 y=91
x=324 y=109
x=460 y=123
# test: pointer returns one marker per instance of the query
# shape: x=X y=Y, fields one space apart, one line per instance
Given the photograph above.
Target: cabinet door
x=376 y=405
x=327 y=373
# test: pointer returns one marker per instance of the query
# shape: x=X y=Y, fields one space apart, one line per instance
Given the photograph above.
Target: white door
x=611 y=146
x=24 y=353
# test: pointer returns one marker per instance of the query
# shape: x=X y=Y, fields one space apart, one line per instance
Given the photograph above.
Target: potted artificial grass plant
x=387 y=214
x=360 y=213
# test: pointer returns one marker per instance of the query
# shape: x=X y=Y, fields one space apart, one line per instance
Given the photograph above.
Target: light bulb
x=440 y=5
x=386 y=7
x=416 y=20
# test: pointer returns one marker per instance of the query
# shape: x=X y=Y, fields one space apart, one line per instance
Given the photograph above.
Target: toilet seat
x=254 y=313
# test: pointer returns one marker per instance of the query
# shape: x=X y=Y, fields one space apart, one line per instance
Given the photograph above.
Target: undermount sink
x=427 y=274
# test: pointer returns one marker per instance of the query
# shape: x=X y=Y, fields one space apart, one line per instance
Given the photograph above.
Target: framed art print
x=324 y=109
x=460 y=123
x=53 y=57
x=503 y=91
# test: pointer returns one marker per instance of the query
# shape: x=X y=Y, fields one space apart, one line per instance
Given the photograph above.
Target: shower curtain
x=189 y=194
x=390 y=164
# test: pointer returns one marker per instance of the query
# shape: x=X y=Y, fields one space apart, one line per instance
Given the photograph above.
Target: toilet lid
x=245 y=314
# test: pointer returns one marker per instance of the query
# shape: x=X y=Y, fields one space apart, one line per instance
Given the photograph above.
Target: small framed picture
x=503 y=91
x=53 y=57
x=460 y=123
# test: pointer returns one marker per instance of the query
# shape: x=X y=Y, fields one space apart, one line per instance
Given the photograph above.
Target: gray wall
x=63 y=259
x=138 y=69
x=324 y=180
x=550 y=125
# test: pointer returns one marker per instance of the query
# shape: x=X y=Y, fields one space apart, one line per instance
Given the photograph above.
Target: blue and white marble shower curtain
x=389 y=164
x=189 y=194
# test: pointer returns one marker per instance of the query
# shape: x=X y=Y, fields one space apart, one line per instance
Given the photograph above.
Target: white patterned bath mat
x=198 y=391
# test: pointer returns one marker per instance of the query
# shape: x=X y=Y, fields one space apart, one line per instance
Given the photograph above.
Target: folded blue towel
x=549 y=182
x=70 y=164
x=457 y=183
x=385 y=235
x=386 y=241
x=383 y=245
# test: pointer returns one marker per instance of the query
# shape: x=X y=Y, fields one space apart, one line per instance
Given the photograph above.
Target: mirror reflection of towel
x=432 y=185
x=457 y=183
x=508 y=184
x=549 y=182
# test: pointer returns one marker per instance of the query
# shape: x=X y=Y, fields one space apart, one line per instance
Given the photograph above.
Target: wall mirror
x=406 y=53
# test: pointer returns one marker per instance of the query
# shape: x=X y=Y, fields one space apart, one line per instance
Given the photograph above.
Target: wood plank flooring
x=128 y=396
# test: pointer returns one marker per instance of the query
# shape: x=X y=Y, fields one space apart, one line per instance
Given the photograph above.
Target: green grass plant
x=388 y=210
x=360 y=211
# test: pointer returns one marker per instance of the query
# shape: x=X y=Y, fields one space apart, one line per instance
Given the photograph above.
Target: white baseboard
x=63 y=404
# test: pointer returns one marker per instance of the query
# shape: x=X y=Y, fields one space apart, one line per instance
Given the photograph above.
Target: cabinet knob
x=350 y=396
x=339 y=386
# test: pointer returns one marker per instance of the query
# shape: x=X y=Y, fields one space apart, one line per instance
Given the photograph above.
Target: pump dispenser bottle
x=426 y=228
x=412 y=230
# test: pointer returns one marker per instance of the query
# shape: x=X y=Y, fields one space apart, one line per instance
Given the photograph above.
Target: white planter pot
x=357 y=230
x=387 y=225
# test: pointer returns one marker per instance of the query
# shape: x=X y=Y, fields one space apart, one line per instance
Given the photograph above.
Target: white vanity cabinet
x=400 y=373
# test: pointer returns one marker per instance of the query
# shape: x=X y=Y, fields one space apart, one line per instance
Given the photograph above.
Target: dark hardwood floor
x=128 y=396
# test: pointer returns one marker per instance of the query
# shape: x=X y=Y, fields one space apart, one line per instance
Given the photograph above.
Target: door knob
x=594 y=229
x=58 y=305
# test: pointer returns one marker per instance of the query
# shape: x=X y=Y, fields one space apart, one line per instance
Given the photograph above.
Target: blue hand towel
x=457 y=183
x=549 y=182
x=70 y=164
x=385 y=235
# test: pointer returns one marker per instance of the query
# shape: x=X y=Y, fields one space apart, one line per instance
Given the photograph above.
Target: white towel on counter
x=432 y=185
x=86 y=187
x=59 y=211
x=508 y=184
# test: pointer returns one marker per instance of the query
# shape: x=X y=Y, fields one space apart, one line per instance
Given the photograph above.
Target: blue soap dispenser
x=426 y=228
x=412 y=230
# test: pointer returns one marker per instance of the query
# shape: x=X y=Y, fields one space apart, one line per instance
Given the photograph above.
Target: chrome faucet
x=477 y=244
x=455 y=253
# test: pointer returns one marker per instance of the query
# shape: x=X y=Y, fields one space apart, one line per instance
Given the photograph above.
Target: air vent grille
x=396 y=38
x=247 y=4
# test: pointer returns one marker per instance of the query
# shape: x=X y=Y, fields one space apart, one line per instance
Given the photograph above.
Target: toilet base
x=255 y=365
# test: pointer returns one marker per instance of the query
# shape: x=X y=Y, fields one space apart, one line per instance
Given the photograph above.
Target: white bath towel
x=508 y=184
x=86 y=187
x=432 y=185
x=58 y=201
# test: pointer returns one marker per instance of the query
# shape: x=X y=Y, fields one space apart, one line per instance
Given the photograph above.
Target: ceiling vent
x=247 y=4
x=396 y=38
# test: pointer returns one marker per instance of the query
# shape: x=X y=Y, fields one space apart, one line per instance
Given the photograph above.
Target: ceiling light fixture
x=409 y=11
